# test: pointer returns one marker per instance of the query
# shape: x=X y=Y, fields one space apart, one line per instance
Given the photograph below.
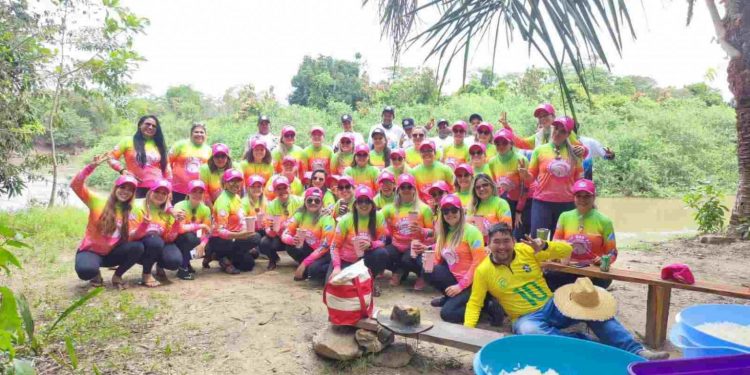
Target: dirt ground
x=262 y=322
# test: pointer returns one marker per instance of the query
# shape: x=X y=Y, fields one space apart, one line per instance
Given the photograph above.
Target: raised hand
x=536 y=243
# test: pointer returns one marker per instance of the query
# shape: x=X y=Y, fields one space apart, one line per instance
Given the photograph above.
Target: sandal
x=227 y=267
x=148 y=281
x=119 y=283
x=97 y=281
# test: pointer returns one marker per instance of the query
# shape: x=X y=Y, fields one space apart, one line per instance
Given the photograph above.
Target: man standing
x=394 y=134
x=512 y=273
x=264 y=133
x=595 y=150
x=444 y=134
x=408 y=125
x=346 y=123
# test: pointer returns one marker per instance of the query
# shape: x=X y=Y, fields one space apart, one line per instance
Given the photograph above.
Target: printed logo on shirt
x=450 y=256
x=222 y=213
x=559 y=168
x=476 y=243
x=503 y=283
x=581 y=245
x=153 y=158
x=193 y=165
x=526 y=268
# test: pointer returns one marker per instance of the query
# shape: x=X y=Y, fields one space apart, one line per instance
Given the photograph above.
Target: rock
x=394 y=356
x=369 y=341
x=386 y=336
x=713 y=239
x=336 y=343
x=406 y=315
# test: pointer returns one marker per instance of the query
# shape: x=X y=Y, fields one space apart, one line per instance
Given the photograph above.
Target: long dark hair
x=372 y=225
x=249 y=156
x=139 y=142
x=324 y=189
x=212 y=164
x=108 y=220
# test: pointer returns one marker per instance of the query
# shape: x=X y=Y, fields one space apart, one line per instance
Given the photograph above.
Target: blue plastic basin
x=694 y=316
x=567 y=356
x=691 y=349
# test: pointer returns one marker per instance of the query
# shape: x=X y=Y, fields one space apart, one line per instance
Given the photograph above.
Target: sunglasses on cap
x=449 y=210
x=476 y=153
x=313 y=201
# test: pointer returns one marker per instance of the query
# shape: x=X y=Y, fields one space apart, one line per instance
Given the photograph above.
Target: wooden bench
x=659 y=294
x=448 y=334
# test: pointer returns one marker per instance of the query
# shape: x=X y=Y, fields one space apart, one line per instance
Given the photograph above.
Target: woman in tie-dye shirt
x=487 y=208
x=361 y=170
x=308 y=235
x=344 y=157
x=318 y=179
x=211 y=172
x=484 y=137
x=380 y=156
x=317 y=155
x=278 y=213
x=104 y=244
x=457 y=152
x=509 y=170
x=195 y=230
x=462 y=184
x=145 y=155
x=257 y=160
x=398 y=166
x=286 y=148
x=185 y=159
x=430 y=171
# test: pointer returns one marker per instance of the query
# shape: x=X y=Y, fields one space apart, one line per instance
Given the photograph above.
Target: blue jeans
x=549 y=320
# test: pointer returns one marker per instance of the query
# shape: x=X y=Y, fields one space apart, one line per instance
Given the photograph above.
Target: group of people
x=460 y=210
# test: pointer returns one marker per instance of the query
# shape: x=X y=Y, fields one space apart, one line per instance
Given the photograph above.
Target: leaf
x=7 y=232
x=81 y=301
x=9 y=319
x=23 y=367
x=6 y=258
x=96 y=370
x=28 y=320
x=71 y=352
x=19 y=244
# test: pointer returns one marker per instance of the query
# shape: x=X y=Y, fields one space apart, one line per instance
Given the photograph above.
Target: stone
x=386 y=336
x=395 y=356
x=369 y=341
x=713 y=239
x=406 y=315
x=336 y=343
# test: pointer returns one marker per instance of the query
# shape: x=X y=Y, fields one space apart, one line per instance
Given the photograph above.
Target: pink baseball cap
x=306 y=177
x=450 y=200
x=317 y=129
x=231 y=174
x=544 y=109
x=289 y=159
x=566 y=122
x=256 y=179
x=280 y=181
x=348 y=136
x=288 y=129
x=219 y=148
x=161 y=184
x=406 y=179
x=196 y=184
x=400 y=152
x=427 y=144
x=486 y=126
x=313 y=192
x=503 y=134
x=466 y=168
x=258 y=142
x=584 y=185
x=363 y=191
x=440 y=185
x=126 y=179
x=332 y=180
x=479 y=146
x=461 y=124
x=386 y=176
x=348 y=179
x=362 y=149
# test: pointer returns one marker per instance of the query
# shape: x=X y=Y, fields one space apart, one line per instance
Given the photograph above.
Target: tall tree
x=325 y=79
x=573 y=31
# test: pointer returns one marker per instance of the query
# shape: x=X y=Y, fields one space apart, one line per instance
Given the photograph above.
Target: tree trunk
x=737 y=24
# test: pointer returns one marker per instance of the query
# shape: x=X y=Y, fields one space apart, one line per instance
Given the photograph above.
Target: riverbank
x=212 y=325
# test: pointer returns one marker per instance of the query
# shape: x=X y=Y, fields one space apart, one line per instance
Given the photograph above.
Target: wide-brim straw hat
x=583 y=300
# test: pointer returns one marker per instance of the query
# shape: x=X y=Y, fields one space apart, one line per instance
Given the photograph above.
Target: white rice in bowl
x=528 y=370
x=732 y=332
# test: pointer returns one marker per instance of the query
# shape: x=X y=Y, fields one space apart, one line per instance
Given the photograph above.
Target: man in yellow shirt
x=512 y=273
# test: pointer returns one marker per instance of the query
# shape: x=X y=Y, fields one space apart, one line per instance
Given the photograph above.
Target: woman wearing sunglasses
x=211 y=173
x=484 y=137
x=398 y=166
x=307 y=237
x=436 y=192
x=257 y=160
x=478 y=158
x=361 y=170
x=386 y=194
x=458 y=152
x=412 y=155
x=344 y=157
x=408 y=219
x=463 y=182
x=286 y=148
x=509 y=170
x=360 y=234
x=195 y=229
x=278 y=213
x=487 y=208
x=318 y=179
x=345 y=189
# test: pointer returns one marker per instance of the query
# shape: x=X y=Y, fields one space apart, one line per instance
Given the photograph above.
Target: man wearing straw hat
x=513 y=274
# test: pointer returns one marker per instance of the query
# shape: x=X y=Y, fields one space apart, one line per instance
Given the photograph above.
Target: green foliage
x=323 y=79
x=706 y=200
x=410 y=86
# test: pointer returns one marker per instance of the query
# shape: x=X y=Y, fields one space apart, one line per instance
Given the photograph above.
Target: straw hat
x=584 y=301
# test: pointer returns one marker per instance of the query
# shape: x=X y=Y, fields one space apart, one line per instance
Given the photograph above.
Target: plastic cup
x=413 y=249
x=250 y=223
x=428 y=260
x=300 y=237
x=276 y=223
x=358 y=243
x=542 y=233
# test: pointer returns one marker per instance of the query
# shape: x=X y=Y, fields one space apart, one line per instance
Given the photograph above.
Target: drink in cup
x=300 y=239
x=359 y=241
x=413 y=249
x=428 y=260
x=250 y=223
x=605 y=262
x=542 y=233
x=413 y=218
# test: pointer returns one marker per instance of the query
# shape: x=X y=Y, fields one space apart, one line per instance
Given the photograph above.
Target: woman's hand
x=453 y=290
x=299 y=274
x=205 y=228
x=179 y=215
x=200 y=250
x=415 y=228
x=503 y=121
x=364 y=245
x=101 y=158
x=417 y=246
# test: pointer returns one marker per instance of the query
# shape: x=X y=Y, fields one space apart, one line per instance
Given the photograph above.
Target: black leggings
x=403 y=262
x=237 y=251
x=269 y=246
x=123 y=256
x=166 y=256
x=298 y=254
x=186 y=242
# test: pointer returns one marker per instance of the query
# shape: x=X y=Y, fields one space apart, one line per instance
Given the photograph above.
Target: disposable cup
x=428 y=261
x=542 y=233
x=413 y=248
x=358 y=246
x=250 y=223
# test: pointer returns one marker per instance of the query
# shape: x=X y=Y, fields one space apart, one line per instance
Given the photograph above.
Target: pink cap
x=363 y=191
x=196 y=184
x=256 y=179
x=427 y=144
x=306 y=177
x=584 y=185
x=440 y=185
x=362 y=149
x=386 y=176
x=678 y=272
x=450 y=200
x=406 y=179
x=348 y=136
x=466 y=168
x=313 y=192
x=566 y=122
x=126 y=179
x=460 y=124
x=289 y=159
x=348 y=179
x=317 y=129
x=400 y=152
x=280 y=181
x=219 y=148
x=258 y=142
x=478 y=146
x=231 y=174
x=503 y=134
x=486 y=126
x=288 y=129
x=332 y=180
x=544 y=109
x=162 y=184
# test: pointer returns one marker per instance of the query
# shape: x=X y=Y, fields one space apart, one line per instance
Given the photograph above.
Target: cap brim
x=397 y=327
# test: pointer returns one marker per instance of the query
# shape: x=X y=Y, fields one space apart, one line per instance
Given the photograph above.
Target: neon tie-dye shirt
x=295 y=188
x=194 y=217
x=381 y=200
x=465 y=197
x=283 y=211
x=504 y=171
x=93 y=240
x=491 y=151
x=463 y=259
x=554 y=176
x=229 y=212
x=147 y=175
x=342 y=247
x=491 y=211
x=185 y=160
x=328 y=199
x=398 y=219
x=377 y=159
x=212 y=181
x=426 y=176
x=364 y=176
x=317 y=158
x=278 y=155
x=455 y=155
x=404 y=169
x=520 y=288
x=340 y=161
x=256 y=208
x=317 y=232
x=160 y=222
x=252 y=168
x=591 y=236
x=414 y=158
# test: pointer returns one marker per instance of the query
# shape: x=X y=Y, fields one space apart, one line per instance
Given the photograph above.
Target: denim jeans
x=549 y=320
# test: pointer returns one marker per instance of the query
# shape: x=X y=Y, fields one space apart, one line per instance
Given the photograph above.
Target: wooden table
x=659 y=294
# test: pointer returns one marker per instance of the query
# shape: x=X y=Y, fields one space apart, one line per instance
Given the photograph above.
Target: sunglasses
x=449 y=211
x=313 y=201
x=397 y=159
x=364 y=201
x=459 y=132
x=426 y=152
x=482 y=186
x=484 y=132
x=476 y=153
x=346 y=142
x=220 y=156
x=362 y=155
x=406 y=187
x=289 y=136
x=417 y=135
x=465 y=175
x=438 y=193
x=345 y=187
x=501 y=143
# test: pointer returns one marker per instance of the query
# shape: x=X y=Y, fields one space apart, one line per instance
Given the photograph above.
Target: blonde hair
x=441 y=231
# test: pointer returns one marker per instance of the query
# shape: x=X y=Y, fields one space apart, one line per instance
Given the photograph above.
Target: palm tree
x=570 y=32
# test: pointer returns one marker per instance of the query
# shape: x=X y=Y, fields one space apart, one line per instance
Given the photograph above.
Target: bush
x=706 y=201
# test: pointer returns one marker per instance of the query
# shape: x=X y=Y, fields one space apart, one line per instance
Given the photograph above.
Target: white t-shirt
x=271 y=140
x=595 y=148
x=395 y=135
x=358 y=138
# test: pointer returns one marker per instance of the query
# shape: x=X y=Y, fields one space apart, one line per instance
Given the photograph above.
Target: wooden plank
x=651 y=279
x=448 y=334
x=657 y=315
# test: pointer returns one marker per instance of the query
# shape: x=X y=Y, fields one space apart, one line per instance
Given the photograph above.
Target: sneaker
x=652 y=355
x=271 y=265
x=419 y=284
x=191 y=269
x=184 y=274
x=438 y=301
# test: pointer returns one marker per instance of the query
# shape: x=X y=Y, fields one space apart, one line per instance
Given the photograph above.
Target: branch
x=720 y=30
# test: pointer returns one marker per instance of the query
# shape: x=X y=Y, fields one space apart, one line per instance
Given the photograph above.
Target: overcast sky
x=214 y=45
